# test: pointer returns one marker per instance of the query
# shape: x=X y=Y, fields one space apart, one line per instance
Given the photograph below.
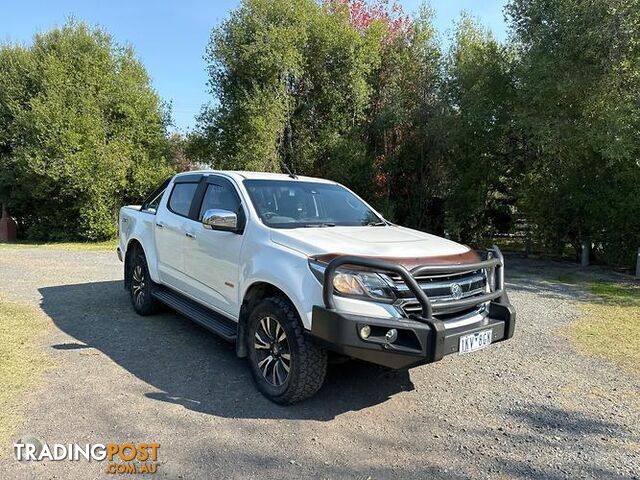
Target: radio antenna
x=288 y=170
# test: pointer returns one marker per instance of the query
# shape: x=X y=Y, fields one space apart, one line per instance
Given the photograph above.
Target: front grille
x=442 y=289
x=434 y=277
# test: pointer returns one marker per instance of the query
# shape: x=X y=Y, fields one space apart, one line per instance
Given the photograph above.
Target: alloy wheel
x=138 y=284
x=272 y=351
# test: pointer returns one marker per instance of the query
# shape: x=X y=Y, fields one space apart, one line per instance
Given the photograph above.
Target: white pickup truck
x=295 y=269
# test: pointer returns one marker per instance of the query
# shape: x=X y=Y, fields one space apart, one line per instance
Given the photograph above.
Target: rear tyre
x=141 y=286
x=286 y=364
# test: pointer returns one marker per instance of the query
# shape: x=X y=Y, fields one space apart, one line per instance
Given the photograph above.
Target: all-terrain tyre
x=141 y=286
x=286 y=364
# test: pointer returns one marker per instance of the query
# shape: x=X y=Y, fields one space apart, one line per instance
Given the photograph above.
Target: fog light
x=365 y=331
x=391 y=336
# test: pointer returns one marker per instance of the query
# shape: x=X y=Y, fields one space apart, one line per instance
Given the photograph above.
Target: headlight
x=355 y=283
x=347 y=283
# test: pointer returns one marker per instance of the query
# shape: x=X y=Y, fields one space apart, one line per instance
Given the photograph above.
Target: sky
x=170 y=37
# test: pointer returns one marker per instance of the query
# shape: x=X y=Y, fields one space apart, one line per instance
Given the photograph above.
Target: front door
x=212 y=257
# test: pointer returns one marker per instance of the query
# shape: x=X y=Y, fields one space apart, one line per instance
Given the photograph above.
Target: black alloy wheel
x=272 y=351
x=141 y=286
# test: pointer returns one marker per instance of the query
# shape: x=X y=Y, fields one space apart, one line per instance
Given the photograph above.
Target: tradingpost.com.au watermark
x=121 y=458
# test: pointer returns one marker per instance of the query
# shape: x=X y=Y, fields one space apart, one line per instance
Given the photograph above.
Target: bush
x=81 y=133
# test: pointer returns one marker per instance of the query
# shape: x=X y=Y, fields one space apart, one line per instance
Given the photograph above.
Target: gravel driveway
x=532 y=407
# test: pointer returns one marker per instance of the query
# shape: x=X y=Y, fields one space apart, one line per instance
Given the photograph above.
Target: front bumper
x=418 y=342
x=420 y=338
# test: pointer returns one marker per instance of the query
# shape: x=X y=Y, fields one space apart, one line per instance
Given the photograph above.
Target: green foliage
x=483 y=156
x=579 y=77
x=543 y=127
x=290 y=78
x=464 y=140
x=81 y=133
x=406 y=130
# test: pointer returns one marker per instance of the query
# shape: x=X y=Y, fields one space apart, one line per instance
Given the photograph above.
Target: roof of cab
x=243 y=175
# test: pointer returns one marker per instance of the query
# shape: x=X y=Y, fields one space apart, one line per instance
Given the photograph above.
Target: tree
x=543 y=126
x=579 y=73
x=481 y=147
x=404 y=135
x=179 y=153
x=81 y=133
x=313 y=86
x=290 y=80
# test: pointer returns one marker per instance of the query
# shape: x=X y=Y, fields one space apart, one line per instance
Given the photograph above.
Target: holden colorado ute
x=296 y=269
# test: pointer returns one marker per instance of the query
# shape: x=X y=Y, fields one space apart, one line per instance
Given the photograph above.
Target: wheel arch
x=256 y=292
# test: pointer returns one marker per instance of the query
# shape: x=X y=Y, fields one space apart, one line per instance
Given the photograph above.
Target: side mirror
x=218 y=219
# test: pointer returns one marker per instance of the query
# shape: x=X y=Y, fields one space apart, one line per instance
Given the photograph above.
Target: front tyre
x=286 y=365
x=141 y=286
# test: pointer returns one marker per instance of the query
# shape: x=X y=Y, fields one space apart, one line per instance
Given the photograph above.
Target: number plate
x=474 y=341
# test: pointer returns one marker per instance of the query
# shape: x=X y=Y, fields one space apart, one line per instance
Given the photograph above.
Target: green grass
x=567 y=278
x=618 y=293
x=610 y=325
x=22 y=361
x=106 y=246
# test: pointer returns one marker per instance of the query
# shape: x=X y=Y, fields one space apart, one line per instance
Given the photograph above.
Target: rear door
x=170 y=226
x=212 y=257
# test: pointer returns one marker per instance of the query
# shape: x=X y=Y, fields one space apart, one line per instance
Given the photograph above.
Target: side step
x=217 y=323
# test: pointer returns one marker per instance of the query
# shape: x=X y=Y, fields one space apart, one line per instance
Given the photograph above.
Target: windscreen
x=291 y=204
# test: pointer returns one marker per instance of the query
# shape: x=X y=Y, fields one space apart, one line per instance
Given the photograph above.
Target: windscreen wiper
x=311 y=225
x=376 y=224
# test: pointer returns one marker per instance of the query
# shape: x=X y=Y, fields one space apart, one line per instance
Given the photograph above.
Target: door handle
x=190 y=235
x=159 y=225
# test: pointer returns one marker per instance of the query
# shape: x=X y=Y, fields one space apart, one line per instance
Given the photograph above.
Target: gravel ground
x=531 y=408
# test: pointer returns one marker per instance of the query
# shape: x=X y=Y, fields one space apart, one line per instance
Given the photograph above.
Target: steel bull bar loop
x=497 y=296
x=496 y=261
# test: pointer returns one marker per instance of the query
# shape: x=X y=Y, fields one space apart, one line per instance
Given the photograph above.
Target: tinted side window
x=181 y=197
x=219 y=196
